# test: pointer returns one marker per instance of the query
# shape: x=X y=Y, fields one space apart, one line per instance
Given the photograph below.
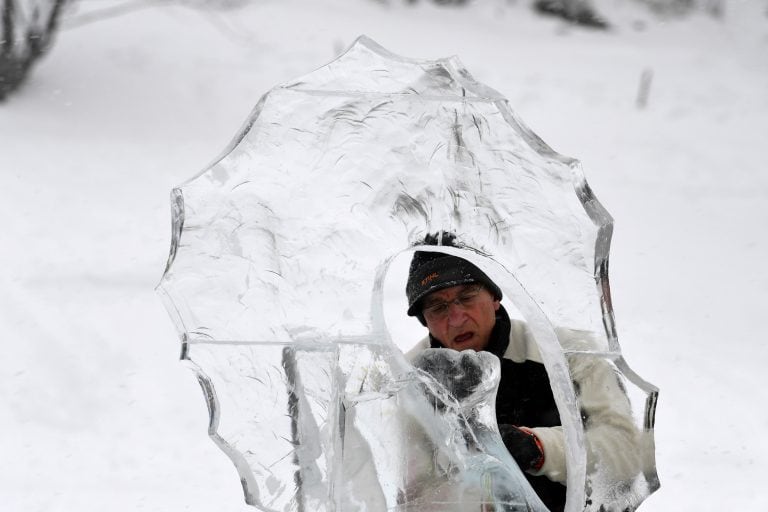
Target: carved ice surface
x=279 y=252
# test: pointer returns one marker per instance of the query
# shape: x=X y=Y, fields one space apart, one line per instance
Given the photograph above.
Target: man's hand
x=461 y=373
x=524 y=447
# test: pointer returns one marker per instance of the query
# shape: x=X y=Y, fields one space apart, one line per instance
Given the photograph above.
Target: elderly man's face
x=461 y=317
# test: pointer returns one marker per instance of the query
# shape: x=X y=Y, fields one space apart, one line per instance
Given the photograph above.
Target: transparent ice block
x=274 y=280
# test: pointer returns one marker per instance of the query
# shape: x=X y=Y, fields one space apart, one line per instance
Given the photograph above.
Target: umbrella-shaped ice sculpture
x=275 y=275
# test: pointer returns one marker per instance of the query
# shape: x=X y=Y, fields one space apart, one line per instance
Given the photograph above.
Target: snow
x=98 y=413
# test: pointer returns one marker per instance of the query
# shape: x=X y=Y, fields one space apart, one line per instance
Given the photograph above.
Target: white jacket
x=612 y=439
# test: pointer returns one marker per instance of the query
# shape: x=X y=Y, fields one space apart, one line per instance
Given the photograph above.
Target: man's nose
x=456 y=313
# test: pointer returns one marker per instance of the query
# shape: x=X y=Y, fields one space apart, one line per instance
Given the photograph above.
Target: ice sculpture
x=274 y=280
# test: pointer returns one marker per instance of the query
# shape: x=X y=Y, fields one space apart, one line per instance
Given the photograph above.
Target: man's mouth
x=461 y=338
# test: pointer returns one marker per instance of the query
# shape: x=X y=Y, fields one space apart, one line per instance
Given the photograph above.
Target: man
x=461 y=307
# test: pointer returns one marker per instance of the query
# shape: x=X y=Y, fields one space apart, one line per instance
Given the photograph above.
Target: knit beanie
x=433 y=271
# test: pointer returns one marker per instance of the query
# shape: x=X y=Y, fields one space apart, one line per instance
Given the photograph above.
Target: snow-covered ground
x=97 y=412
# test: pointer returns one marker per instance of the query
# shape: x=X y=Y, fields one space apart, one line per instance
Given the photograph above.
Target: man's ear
x=496 y=304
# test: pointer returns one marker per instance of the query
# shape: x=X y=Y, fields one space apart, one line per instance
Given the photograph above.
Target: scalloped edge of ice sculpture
x=321 y=81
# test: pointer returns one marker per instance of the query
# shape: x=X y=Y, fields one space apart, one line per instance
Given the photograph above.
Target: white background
x=96 y=412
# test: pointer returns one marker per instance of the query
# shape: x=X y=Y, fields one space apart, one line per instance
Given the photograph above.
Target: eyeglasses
x=465 y=299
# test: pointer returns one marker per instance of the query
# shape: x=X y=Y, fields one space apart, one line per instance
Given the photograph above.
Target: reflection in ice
x=279 y=252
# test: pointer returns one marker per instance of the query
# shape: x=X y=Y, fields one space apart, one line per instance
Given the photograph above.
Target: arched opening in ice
x=406 y=331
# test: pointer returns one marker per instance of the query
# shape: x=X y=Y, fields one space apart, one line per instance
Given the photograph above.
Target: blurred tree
x=580 y=12
x=678 y=8
x=26 y=32
x=442 y=2
x=215 y=4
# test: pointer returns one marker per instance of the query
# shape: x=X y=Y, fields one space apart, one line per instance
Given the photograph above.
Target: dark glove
x=459 y=372
x=524 y=447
